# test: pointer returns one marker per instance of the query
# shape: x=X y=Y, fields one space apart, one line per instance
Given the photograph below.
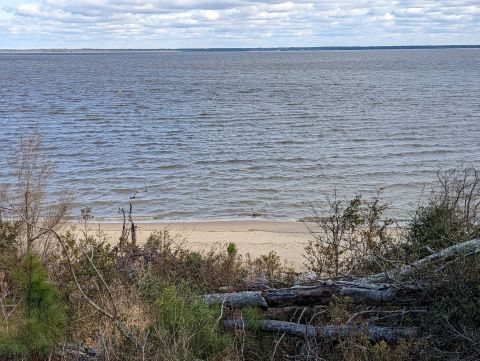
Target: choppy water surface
x=221 y=135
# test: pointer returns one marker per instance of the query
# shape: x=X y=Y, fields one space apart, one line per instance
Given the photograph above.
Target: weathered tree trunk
x=374 y=333
x=320 y=294
x=71 y=351
x=465 y=248
x=370 y=290
x=237 y=299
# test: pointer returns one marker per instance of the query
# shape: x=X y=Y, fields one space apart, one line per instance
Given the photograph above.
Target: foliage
x=205 y=271
x=352 y=238
x=359 y=348
x=232 y=249
x=450 y=215
x=187 y=325
x=454 y=318
x=8 y=235
x=151 y=287
x=253 y=317
x=267 y=270
x=40 y=318
x=89 y=252
x=9 y=232
x=268 y=266
x=339 y=310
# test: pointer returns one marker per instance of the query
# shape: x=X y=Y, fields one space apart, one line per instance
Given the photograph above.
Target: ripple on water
x=227 y=135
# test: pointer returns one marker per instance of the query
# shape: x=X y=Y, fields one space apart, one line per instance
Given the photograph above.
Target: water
x=222 y=135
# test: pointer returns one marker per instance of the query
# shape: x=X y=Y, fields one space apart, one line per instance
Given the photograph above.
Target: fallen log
x=374 y=333
x=73 y=351
x=471 y=247
x=320 y=294
x=376 y=290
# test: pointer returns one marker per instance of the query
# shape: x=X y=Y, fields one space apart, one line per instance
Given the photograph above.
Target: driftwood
x=469 y=248
x=392 y=288
x=372 y=290
x=72 y=351
x=320 y=294
x=374 y=333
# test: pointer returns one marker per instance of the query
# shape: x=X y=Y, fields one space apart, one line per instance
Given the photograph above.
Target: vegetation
x=450 y=215
x=353 y=238
x=72 y=294
x=40 y=317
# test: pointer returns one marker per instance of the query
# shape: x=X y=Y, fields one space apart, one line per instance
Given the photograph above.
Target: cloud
x=207 y=23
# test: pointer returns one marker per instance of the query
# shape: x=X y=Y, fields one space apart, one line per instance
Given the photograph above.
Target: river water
x=224 y=135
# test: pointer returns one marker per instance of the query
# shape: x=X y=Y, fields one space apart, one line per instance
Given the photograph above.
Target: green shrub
x=353 y=237
x=434 y=227
x=232 y=249
x=205 y=271
x=8 y=236
x=453 y=321
x=88 y=250
x=40 y=319
x=8 y=247
x=450 y=214
x=187 y=326
x=151 y=287
x=253 y=317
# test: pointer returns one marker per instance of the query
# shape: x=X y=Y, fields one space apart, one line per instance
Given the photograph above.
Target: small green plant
x=160 y=242
x=339 y=309
x=269 y=264
x=232 y=249
x=253 y=317
x=41 y=316
x=187 y=326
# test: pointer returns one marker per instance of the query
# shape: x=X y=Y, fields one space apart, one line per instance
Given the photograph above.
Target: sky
x=33 y=24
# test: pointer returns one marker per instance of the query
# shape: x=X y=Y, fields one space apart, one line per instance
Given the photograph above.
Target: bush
x=450 y=214
x=8 y=237
x=267 y=270
x=453 y=321
x=205 y=271
x=186 y=328
x=40 y=319
x=353 y=237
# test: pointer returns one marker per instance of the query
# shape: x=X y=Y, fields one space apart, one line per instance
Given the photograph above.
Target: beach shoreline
x=255 y=237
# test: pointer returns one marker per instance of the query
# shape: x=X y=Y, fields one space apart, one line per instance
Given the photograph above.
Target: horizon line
x=277 y=48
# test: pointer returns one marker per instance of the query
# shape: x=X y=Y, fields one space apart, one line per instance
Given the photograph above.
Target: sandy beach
x=288 y=239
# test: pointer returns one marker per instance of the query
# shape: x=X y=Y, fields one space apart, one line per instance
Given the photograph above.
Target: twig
x=145 y=344
x=219 y=317
x=390 y=313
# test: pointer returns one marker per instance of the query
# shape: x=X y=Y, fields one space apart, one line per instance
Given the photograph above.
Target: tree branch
x=374 y=333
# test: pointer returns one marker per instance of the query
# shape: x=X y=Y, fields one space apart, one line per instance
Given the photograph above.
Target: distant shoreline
x=276 y=49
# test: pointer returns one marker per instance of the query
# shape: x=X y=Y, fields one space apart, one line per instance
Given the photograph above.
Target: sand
x=288 y=239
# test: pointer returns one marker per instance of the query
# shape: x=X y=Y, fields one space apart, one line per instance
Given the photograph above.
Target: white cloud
x=210 y=15
x=204 y=23
x=28 y=9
